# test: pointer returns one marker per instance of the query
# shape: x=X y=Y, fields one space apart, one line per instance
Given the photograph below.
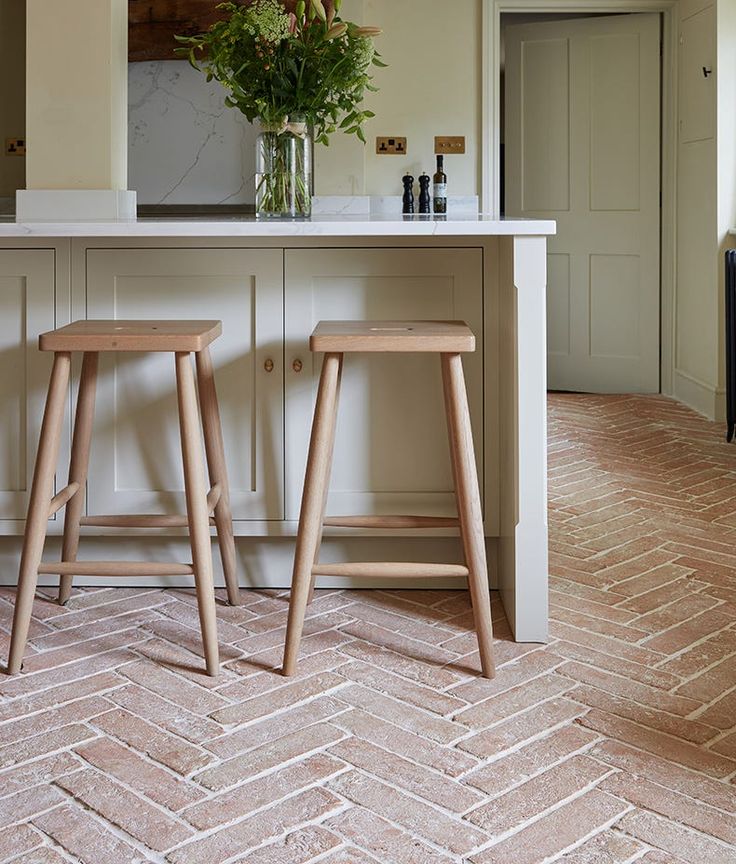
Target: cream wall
x=726 y=155
x=432 y=87
x=706 y=195
x=12 y=92
x=696 y=301
x=77 y=94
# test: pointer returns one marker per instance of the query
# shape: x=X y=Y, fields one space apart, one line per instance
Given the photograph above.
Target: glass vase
x=284 y=170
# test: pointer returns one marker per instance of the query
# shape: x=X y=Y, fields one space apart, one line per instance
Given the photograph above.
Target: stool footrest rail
x=391 y=522
x=136 y=521
x=116 y=568
x=389 y=570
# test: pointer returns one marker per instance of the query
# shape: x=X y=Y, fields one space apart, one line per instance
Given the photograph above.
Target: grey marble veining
x=184 y=145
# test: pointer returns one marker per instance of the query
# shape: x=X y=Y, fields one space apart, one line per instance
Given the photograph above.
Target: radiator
x=731 y=342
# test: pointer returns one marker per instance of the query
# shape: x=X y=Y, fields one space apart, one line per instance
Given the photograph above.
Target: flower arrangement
x=299 y=69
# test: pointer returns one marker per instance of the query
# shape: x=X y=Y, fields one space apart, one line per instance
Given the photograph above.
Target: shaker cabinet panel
x=27 y=300
x=391 y=451
x=136 y=460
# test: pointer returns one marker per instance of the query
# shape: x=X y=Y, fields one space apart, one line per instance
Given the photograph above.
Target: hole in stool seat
x=391 y=329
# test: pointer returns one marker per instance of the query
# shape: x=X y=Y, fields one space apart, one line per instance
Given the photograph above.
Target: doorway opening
x=511 y=19
x=579 y=141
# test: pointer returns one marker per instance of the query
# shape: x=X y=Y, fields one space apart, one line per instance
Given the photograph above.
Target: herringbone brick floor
x=614 y=743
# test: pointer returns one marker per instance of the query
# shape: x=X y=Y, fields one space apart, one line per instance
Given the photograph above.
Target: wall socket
x=391 y=146
x=449 y=144
x=15 y=146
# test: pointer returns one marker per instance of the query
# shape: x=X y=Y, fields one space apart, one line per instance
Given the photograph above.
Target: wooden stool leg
x=470 y=514
x=311 y=516
x=38 y=509
x=330 y=444
x=197 y=513
x=78 y=466
x=215 y=450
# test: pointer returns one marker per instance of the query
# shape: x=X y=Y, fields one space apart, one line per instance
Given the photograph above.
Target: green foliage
x=276 y=64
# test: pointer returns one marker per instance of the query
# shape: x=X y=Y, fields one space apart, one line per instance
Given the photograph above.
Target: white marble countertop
x=322 y=225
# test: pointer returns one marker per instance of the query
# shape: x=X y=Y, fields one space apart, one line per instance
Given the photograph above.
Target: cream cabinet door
x=136 y=459
x=391 y=451
x=27 y=299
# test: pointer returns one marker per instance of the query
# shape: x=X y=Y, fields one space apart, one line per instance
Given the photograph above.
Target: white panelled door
x=582 y=144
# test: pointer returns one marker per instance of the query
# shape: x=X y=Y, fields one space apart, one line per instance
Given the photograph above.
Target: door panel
x=582 y=147
x=546 y=158
x=27 y=289
x=391 y=452
x=136 y=456
x=615 y=140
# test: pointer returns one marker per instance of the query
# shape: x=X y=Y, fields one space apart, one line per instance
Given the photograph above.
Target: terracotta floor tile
x=267 y=789
x=660 y=744
x=422 y=782
x=309 y=805
x=608 y=846
x=18 y=839
x=272 y=728
x=84 y=837
x=669 y=836
x=614 y=743
x=134 y=815
x=453 y=835
x=557 y=831
x=297 y=848
x=538 y=795
x=385 y=840
x=679 y=808
x=268 y=756
x=23 y=806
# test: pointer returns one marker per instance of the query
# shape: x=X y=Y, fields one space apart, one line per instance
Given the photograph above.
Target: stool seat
x=452 y=337
x=131 y=336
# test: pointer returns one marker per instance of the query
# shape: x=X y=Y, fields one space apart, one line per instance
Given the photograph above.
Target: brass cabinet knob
x=268 y=365
x=297 y=365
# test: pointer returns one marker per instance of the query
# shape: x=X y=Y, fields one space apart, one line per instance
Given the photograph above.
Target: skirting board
x=262 y=562
x=702 y=397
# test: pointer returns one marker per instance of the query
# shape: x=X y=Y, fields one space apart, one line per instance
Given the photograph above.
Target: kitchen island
x=270 y=282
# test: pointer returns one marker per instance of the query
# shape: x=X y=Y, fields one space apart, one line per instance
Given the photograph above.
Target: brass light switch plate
x=391 y=146
x=449 y=144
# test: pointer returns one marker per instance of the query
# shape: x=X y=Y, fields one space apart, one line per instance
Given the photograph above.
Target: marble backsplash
x=184 y=145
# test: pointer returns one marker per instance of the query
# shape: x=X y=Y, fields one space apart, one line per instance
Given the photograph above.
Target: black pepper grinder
x=408 y=199
x=424 y=199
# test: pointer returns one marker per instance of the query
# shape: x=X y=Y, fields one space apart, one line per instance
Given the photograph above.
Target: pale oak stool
x=449 y=339
x=181 y=338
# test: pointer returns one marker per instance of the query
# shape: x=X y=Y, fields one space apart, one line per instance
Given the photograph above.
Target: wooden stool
x=449 y=339
x=182 y=338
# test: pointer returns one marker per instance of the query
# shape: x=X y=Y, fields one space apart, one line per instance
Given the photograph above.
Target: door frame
x=491 y=140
